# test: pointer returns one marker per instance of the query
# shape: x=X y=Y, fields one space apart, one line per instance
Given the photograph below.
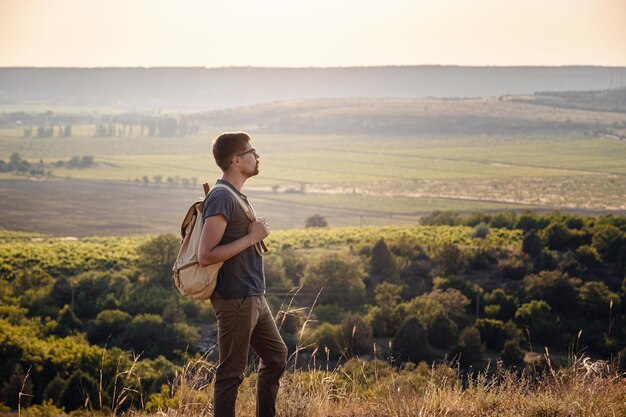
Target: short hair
x=226 y=145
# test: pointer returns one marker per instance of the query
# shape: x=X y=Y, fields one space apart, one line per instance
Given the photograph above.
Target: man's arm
x=209 y=250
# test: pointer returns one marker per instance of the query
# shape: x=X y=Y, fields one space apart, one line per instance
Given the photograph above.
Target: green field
x=362 y=172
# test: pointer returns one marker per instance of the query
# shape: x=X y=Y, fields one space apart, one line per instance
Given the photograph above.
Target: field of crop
x=576 y=172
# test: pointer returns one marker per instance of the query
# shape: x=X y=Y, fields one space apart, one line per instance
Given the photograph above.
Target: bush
x=450 y=260
x=505 y=303
x=410 y=343
x=538 y=318
x=470 y=347
x=109 y=326
x=329 y=313
x=554 y=287
x=327 y=339
x=157 y=256
x=512 y=354
x=492 y=332
x=596 y=300
x=442 y=332
x=382 y=262
x=357 y=335
x=608 y=240
x=480 y=231
x=532 y=245
x=315 y=221
x=339 y=278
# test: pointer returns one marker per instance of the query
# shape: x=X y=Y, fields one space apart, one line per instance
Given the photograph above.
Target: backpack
x=191 y=279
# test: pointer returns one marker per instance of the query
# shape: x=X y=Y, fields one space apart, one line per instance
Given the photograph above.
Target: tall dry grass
x=376 y=388
x=585 y=388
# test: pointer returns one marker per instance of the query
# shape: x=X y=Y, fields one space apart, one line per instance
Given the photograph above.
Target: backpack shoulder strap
x=246 y=209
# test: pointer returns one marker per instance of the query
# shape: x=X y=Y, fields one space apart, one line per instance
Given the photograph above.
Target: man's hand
x=258 y=230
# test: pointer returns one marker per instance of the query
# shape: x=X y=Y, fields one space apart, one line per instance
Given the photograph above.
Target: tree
x=492 y=332
x=532 y=245
x=80 y=391
x=67 y=322
x=410 y=343
x=145 y=334
x=512 y=354
x=157 y=256
x=504 y=302
x=382 y=262
x=340 y=279
x=470 y=347
x=453 y=301
x=554 y=287
x=357 y=335
x=383 y=317
x=607 y=240
x=15 y=159
x=17 y=383
x=537 y=317
x=108 y=327
x=442 y=331
x=450 y=260
x=315 y=221
x=327 y=338
x=596 y=300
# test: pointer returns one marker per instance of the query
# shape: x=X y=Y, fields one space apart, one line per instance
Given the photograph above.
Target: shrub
x=357 y=335
x=538 y=318
x=470 y=347
x=339 y=278
x=410 y=343
x=382 y=262
x=480 y=231
x=315 y=221
x=532 y=245
x=512 y=354
x=450 y=260
x=327 y=338
x=554 y=287
x=442 y=332
x=157 y=256
x=109 y=326
x=492 y=332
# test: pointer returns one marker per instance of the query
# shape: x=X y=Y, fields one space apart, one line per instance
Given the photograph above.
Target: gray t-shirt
x=242 y=275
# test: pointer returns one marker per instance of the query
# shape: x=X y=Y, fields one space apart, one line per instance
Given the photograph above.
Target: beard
x=254 y=172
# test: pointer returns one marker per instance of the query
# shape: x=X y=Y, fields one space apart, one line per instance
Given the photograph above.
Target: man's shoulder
x=219 y=193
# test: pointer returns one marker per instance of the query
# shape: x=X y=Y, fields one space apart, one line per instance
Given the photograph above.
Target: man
x=243 y=316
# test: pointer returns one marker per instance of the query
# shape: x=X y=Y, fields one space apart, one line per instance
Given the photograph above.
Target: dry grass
x=585 y=388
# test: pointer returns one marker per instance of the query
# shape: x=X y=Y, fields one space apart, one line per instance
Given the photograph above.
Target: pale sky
x=313 y=33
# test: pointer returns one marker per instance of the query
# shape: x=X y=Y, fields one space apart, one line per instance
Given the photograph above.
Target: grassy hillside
x=519 y=302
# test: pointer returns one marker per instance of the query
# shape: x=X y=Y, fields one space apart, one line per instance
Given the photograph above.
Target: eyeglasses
x=248 y=151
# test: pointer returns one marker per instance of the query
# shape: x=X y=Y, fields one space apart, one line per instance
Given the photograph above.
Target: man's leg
x=268 y=344
x=235 y=321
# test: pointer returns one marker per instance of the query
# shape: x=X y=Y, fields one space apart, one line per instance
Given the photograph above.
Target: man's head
x=233 y=149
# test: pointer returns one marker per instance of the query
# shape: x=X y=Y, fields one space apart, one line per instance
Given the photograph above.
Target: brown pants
x=243 y=322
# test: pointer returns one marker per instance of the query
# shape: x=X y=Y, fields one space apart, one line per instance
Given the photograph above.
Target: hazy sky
x=286 y=33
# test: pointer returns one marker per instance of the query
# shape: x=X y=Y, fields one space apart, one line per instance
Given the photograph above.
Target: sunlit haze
x=294 y=33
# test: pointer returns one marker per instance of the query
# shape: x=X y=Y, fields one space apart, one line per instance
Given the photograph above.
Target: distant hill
x=613 y=100
x=505 y=115
x=220 y=88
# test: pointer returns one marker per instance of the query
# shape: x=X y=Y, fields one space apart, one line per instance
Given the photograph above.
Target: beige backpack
x=191 y=279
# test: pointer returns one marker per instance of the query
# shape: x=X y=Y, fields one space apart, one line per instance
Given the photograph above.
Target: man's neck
x=235 y=178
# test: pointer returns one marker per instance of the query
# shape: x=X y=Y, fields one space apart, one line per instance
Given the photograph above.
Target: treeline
x=477 y=288
x=611 y=100
x=40 y=169
x=49 y=124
